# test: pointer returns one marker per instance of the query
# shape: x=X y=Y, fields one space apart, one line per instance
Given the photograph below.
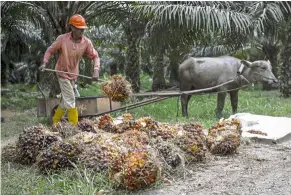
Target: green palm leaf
x=208 y=17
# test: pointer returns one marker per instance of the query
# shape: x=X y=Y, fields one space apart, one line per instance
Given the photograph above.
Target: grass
x=68 y=182
x=18 y=179
x=19 y=97
x=15 y=125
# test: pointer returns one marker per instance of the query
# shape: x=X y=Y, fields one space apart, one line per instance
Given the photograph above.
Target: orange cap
x=78 y=21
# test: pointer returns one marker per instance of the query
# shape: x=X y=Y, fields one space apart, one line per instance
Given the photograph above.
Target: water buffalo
x=205 y=72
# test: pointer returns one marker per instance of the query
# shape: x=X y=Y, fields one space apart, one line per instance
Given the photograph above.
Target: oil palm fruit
x=32 y=141
x=65 y=129
x=224 y=137
x=117 y=88
x=134 y=169
x=58 y=155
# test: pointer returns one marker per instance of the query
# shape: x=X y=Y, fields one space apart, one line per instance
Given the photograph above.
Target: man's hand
x=95 y=76
x=42 y=67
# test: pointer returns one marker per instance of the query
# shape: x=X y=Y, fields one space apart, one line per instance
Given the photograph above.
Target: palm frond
x=206 y=17
x=265 y=14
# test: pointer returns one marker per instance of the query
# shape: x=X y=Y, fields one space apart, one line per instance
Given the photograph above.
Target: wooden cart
x=87 y=106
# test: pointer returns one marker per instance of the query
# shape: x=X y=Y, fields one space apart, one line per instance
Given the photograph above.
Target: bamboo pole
x=178 y=93
x=59 y=71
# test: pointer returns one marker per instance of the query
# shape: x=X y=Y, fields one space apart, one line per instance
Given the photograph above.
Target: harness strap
x=240 y=70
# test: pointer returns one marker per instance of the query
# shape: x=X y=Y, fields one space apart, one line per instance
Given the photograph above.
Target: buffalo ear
x=246 y=63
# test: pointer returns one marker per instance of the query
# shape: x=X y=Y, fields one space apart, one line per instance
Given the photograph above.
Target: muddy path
x=257 y=169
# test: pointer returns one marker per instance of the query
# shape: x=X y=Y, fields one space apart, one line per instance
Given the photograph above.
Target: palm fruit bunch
x=155 y=129
x=81 y=139
x=117 y=89
x=133 y=139
x=58 y=155
x=9 y=153
x=191 y=139
x=32 y=141
x=105 y=122
x=65 y=129
x=124 y=125
x=164 y=131
x=99 y=154
x=196 y=128
x=169 y=152
x=86 y=125
x=147 y=123
x=127 y=117
x=134 y=170
x=224 y=137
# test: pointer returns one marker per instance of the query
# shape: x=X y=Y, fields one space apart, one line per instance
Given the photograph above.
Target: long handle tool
x=59 y=71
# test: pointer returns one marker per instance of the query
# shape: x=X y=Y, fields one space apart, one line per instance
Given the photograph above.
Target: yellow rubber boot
x=58 y=115
x=73 y=115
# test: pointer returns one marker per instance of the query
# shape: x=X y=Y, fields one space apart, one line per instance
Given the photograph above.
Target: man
x=71 y=47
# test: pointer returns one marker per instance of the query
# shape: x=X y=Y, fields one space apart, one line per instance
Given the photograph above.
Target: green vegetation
x=66 y=182
x=18 y=97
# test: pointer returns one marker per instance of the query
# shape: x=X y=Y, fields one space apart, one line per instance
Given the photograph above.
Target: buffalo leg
x=184 y=101
x=220 y=104
x=234 y=100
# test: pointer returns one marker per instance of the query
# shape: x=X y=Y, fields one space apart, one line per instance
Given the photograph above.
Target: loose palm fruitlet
x=32 y=141
x=58 y=155
x=134 y=170
x=224 y=137
x=117 y=89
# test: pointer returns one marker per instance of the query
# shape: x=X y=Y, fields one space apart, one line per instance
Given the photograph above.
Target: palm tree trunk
x=132 y=67
x=285 y=58
x=4 y=70
x=159 y=81
x=174 y=66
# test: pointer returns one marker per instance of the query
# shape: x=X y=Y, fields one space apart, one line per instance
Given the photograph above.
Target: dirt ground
x=257 y=169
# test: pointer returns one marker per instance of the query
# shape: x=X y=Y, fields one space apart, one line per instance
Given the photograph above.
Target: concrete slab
x=275 y=129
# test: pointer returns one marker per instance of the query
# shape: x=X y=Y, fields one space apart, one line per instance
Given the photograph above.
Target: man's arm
x=92 y=54
x=50 y=51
